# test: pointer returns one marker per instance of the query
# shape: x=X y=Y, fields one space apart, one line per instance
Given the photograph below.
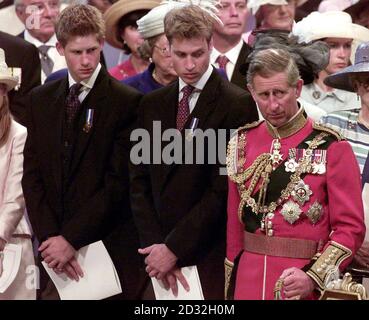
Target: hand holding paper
x=192 y=279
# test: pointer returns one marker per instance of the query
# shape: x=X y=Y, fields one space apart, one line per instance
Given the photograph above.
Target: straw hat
x=341 y=79
x=254 y=5
x=117 y=11
x=330 y=24
x=5 y=74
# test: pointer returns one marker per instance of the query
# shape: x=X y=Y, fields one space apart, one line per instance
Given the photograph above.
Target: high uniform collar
x=296 y=123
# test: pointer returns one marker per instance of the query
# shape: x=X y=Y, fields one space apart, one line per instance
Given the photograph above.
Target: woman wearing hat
x=156 y=49
x=354 y=124
x=272 y=14
x=121 y=32
x=338 y=31
x=13 y=225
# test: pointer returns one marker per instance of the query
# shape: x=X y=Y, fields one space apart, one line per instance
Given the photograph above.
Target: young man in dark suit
x=76 y=156
x=22 y=58
x=180 y=208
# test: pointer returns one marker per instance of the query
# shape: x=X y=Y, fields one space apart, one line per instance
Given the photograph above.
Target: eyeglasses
x=165 y=51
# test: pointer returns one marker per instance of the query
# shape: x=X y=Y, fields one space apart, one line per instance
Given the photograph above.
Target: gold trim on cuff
x=331 y=257
x=228 y=267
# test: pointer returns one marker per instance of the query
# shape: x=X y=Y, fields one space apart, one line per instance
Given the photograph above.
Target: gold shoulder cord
x=261 y=168
x=324 y=128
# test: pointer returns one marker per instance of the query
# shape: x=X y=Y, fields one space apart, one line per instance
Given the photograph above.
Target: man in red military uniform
x=295 y=213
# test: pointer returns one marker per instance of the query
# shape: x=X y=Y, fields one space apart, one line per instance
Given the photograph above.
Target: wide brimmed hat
x=341 y=79
x=254 y=5
x=330 y=24
x=5 y=73
x=117 y=11
x=152 y=24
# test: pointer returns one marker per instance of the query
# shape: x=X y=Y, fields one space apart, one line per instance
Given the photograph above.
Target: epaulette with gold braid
x=325 y=128
x=251 y=125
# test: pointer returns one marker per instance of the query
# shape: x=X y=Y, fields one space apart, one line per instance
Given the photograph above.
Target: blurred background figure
x=272 y=14
x=338 y=31
x=23 y=61
x=230 y=51
x=354 y=124
x=13 y=226
x=38 y=17
x=155 y=48
x=121 y=33
x=360 y=12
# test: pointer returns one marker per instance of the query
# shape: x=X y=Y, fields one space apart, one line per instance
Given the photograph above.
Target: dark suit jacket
x=21 y=54
x=238 y=78
x=92 y=203
x=184 y=205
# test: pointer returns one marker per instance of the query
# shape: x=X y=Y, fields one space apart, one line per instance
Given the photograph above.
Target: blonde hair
x=268 y=62
x=5 y=119
x=188 y=22
x=79 y=20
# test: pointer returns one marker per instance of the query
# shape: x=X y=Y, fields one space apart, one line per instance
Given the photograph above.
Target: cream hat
x=152 y=24
x=117 y=11
x=254 y=5
x=330 y=24
x=5 y=74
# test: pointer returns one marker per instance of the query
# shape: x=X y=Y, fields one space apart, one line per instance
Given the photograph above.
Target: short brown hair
x=268 y=62
x=188 y=22
x=79 y=20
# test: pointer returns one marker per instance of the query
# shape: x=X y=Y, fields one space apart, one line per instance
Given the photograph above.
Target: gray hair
x=268 y=62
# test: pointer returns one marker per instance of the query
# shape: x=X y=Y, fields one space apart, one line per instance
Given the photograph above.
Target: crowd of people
x=230 y=135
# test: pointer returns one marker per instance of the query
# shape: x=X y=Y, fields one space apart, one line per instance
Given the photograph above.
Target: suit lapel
x=94 y=100
x=55 y=120
x=168 y=111
x=203 y=109
x=237 y=78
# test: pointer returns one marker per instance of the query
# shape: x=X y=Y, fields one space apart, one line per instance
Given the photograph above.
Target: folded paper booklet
x=11 y=259
x=192 y=276
x=100 y=278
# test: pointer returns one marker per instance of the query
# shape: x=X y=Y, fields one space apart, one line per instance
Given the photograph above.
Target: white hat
x=330 y=24
x=152 y=24
x=254 y=5
x=5 y=73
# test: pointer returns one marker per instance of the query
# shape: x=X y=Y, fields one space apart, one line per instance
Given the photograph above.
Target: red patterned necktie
x=72 y=102
x=183 y=107
x=222 y=62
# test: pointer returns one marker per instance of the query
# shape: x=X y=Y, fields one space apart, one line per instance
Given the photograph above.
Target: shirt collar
x=232 y=54
x=51 y=42
x=88 y=83
x=199 y=85
x=339 y=94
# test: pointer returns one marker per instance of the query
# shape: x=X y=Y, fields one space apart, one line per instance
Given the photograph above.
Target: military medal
x=301 y=192
x=291 y=211
x=89 y=120
x=276 y=156
x=193 y=125
x=315 y=212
